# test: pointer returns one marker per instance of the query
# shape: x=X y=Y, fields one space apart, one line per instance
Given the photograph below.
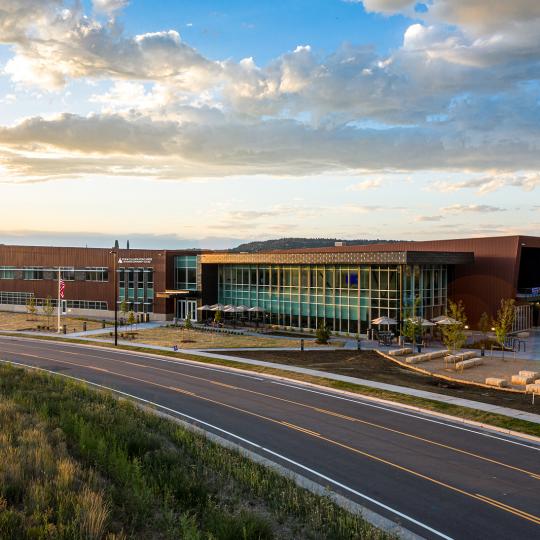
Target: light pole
x=115 y=277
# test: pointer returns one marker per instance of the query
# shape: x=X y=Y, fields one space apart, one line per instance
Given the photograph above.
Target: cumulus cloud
x=109 y=6
x=455 y=96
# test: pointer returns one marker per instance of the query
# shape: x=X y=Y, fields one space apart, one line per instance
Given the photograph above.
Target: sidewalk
x=506 y=411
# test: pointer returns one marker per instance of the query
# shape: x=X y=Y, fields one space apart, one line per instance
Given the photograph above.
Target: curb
x=394 y=404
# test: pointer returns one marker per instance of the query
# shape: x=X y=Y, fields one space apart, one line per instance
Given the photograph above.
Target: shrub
x=323 y=334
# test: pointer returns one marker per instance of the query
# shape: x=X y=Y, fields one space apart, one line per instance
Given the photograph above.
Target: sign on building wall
x=135 y=260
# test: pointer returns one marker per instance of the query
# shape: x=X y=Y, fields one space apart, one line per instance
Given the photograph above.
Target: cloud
x=526 y=180
x=373 y=183
x=109 y=6
x=472 y=208
x=457 y=95
x=427 y=218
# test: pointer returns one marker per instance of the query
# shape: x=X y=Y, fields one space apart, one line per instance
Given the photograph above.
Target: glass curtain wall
x=346 y=298
x=136 y=288
x=185 y=272
x=429 y=283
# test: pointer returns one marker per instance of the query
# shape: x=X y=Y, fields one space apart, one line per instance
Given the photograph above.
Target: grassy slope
x=78 y=463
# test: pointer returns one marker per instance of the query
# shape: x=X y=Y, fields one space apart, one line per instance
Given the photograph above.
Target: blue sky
x=209 y=123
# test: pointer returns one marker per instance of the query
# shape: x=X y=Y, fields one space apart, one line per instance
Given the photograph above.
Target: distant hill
x=299 y=243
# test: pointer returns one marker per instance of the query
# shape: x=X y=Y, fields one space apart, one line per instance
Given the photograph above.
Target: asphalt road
x=438 y=479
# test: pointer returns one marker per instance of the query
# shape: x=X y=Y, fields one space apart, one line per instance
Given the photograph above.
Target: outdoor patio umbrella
x=384 y=320
x=420 y=321
x=447 y=321
x=256 y=309
x=204 y=308
x=241 y=309
x=217 y=307
x=439 y=318
x=229 y=309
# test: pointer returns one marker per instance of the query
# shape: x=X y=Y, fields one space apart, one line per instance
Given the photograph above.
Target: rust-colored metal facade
x=50 y=258
x=480 y=285
x=483 y=270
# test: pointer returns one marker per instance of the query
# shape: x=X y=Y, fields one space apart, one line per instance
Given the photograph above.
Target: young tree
x=131 y=319
x=31 y=306
x=453 y=335
x=124 y=309
x=187 y=323
x=484 y=324
x=412 y=328
x=218 y=317
x=48 y=310
x=504 y=320
x=323 y=334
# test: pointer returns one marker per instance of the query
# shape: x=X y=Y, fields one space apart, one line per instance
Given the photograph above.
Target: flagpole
x=58 y=305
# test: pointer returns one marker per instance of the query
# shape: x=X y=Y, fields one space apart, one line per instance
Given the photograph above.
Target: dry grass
x=40 y=484
x=197 y=339
x=24 y=321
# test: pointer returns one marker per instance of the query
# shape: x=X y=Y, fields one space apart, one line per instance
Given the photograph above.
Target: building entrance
x=186 y=308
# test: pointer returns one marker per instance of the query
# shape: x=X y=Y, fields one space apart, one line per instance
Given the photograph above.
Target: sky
x=198 y=123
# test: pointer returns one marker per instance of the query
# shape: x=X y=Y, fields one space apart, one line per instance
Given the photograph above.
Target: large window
x=185 y=272
x=136 y=289
x=33 y=272
x=67 y=273
x=7 y=272
x=96 y=273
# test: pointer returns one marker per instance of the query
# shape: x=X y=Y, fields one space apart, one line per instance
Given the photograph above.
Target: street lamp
x=115 y=277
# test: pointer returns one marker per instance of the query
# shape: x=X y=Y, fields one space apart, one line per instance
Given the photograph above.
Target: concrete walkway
x=443 y=398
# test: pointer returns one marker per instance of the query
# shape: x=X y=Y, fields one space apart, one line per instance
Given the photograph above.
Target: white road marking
x=251 y=443
x=425 y=419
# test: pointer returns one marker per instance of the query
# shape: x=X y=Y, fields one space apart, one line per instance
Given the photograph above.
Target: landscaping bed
x=22 y=321
x=198 y=339
x=80 y=463
x=372 y=366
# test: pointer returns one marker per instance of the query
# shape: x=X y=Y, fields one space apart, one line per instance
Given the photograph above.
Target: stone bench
x=533 y=374
x=400 y=352
x=533 y=388
x=470 y=363
x=495 y=381
x=417 y=359
x=522 y=379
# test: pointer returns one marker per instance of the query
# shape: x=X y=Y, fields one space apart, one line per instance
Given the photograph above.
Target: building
x=344 y=286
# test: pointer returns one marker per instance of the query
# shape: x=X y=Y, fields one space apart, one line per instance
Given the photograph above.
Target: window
x=33 y=272
x=185 y=272
x=96 y=273
x=7 y=272
x=67 y=273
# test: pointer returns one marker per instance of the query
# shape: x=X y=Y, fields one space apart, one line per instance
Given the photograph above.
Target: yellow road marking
x=487 y=500
x=322 y=411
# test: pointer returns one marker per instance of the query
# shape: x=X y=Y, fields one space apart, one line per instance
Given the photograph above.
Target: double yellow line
x=487 y=500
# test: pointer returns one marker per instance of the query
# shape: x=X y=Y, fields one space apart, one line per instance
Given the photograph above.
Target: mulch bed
x=369 y=365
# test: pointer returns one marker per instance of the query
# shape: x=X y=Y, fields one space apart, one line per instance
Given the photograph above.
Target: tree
x=412 y=329
x=131 y=319
x=124 y=308
x=504 y=321
x=453 y=335
x=31 y=306
x=48 y=310
x=484 y=324
x=187 y=323
x=218 y=317
x=323 y=334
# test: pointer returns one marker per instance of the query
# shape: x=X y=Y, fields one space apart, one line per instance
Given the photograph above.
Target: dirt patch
x=369 y=365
